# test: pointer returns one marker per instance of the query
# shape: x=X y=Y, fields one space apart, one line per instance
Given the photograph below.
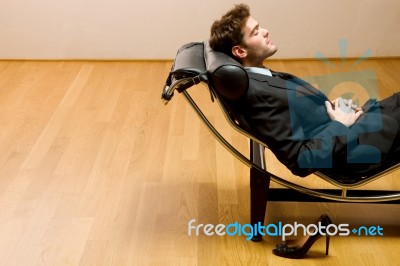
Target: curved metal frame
x=343 y=198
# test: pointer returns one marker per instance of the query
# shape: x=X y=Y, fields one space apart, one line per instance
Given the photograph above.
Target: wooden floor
x=95 y=170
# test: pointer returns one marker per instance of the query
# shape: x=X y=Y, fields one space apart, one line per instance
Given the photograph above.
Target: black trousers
x=391 y=107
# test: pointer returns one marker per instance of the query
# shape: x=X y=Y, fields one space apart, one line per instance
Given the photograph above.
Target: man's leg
x=391 y=106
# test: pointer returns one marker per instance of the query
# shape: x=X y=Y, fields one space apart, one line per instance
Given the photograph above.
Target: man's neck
x=247 y=64
x=259 y=66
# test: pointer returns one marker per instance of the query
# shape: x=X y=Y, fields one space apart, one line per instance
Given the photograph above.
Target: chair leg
x=259 y=185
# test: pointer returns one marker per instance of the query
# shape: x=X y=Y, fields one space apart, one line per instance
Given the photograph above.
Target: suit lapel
x=287 y=82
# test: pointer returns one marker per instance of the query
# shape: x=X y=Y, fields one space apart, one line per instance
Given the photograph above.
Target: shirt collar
x=259 y=70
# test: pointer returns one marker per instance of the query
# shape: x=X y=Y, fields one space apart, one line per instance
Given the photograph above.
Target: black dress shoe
x=298 y=248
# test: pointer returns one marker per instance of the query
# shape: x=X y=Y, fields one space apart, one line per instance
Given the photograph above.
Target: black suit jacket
x=290 y=116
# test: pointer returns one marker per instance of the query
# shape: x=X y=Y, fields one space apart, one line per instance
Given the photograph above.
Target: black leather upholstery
x=226 y=75
x=221 y=72
x=226 y=78
x=189 y=60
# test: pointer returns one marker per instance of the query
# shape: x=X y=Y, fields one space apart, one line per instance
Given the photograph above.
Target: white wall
x=133 y=29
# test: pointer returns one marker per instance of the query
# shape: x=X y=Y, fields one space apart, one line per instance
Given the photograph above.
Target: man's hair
x=227 y=32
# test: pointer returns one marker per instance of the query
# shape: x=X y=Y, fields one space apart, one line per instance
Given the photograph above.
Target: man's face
x=258 y=45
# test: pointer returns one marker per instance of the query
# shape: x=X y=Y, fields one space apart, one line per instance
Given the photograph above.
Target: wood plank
x=95 y=170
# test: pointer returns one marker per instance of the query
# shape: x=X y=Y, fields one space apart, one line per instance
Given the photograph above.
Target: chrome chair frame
x=259 y=175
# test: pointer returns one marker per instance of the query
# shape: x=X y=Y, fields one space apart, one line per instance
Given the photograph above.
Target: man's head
x=240 y=36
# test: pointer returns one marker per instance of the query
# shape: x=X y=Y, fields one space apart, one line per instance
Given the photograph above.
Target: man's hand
x=343 y=111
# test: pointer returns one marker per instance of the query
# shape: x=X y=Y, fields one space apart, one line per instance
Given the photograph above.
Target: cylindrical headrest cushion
x=231 y=81
x=226 y=75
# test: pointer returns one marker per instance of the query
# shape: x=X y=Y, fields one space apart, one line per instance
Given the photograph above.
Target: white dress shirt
x=259 y=70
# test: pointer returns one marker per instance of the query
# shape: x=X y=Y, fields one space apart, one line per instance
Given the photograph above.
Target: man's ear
x=239 y=52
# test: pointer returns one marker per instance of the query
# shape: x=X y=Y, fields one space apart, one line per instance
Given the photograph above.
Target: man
x=302 y=127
